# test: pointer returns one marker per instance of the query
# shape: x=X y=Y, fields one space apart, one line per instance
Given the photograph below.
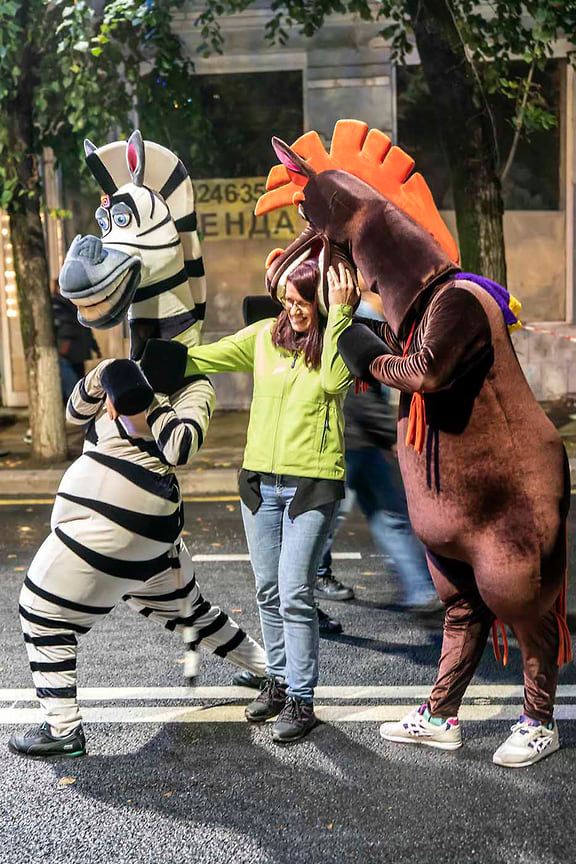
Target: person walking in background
x=76 y=343
x=373 y=478
x=292 y=476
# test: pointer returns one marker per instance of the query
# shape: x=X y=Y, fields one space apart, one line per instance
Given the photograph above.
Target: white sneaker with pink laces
x=417 y=728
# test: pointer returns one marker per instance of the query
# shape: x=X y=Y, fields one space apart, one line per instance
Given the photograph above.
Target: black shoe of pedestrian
x=329 y=588
x=248 y=679
x=269 y=703
x=296 y=719
x=328 y=626
x=39 y=741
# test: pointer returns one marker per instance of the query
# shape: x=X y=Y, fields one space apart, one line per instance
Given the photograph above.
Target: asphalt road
x=219 y=792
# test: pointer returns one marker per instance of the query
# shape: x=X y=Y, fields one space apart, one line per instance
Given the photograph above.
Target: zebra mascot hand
x=118 y=516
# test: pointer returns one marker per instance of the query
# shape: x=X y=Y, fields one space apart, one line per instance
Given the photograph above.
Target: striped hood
x=147 y=265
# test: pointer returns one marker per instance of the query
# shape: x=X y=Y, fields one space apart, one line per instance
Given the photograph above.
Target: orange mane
x=370 y=156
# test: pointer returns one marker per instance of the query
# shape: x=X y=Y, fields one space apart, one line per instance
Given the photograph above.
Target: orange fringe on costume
x=564 y=640
x=416 y=431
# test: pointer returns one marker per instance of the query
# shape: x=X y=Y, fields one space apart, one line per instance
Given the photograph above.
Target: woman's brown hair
x=304 y=278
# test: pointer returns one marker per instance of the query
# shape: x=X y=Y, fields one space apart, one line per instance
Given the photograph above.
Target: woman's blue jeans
x=285 y=554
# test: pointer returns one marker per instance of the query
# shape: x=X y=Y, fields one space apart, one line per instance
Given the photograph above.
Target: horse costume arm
x=87 y=397
x=233 y=353
x=179 y=423
x=455 y=337
x=383 y=330
x=335 y=376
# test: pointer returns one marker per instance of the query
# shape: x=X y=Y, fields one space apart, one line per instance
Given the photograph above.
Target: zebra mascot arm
x=178 y=421
x=179 y=424
x=86 y=399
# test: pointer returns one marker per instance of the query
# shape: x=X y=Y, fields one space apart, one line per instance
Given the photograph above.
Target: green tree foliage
x=84 y=70
x=66 y=72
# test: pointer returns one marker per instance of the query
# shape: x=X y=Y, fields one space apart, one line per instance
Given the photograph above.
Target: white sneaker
x=415 y=728
x=527 y=744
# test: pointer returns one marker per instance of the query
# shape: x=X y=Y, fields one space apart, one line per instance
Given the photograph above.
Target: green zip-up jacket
x=296 y=418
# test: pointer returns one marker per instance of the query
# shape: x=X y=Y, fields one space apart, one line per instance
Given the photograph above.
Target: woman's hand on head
x=342 y=286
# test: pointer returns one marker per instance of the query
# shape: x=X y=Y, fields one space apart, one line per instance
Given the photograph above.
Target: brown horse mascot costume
x=485 y=472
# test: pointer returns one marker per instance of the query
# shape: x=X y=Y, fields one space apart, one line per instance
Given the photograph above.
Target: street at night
x=179 y=775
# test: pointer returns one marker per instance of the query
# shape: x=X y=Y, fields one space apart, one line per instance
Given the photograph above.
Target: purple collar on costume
x=498 y=292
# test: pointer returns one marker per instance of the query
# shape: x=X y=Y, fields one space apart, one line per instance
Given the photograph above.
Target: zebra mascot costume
x=118 y=515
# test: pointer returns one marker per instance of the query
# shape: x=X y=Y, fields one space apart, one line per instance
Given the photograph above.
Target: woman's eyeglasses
x=303 y=305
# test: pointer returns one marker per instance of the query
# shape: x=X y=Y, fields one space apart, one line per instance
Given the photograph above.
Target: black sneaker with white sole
x=296 y=719
x=39 y=741
x=269 y=703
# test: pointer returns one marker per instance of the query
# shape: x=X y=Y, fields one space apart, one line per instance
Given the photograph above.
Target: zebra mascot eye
x=103 y=219
x=122 y=219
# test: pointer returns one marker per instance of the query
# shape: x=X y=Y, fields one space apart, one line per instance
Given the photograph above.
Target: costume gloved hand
x=164 y=364
x=359 y=346
x=127 y=387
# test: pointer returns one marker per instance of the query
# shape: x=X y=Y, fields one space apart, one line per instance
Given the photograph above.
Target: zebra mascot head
x=148 y=262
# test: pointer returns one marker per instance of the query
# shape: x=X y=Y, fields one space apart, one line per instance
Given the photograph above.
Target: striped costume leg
x=51 y=624
x=68 y=588
x=164 y=599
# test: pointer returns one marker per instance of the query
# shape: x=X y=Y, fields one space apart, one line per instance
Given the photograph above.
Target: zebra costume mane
x=148 y=263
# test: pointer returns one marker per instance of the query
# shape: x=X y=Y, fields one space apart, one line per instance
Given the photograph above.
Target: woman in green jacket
x=292 y=476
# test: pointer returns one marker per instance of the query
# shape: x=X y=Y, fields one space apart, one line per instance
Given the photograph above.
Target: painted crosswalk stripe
x=235 y=714
x=217 y=556
x=488 y=693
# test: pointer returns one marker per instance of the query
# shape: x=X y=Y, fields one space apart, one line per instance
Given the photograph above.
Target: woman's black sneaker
x=326 y=625
x=269 y=703
x=296 y=719
x=329 y=588
x=248 y=679
x=39 y=741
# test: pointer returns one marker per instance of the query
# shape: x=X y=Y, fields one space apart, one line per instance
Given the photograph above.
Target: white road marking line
x=415 y=693
x=338 y=556
x=235 y=714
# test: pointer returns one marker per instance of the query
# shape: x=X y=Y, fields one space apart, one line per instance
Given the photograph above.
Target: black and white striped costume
x=117 y=520
x=116 y=528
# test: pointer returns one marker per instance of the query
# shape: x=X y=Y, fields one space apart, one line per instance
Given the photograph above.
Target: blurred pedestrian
x=373 y=476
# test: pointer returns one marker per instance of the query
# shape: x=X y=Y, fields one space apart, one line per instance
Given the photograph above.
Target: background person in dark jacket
x=76 y=343
x=373 y=476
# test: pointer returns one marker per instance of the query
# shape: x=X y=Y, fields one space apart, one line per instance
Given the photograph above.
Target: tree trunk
x=467 y=134
x=36 y=322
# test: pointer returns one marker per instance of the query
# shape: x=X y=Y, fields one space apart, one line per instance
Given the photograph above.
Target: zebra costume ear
x=135 y=157
x=89 y=147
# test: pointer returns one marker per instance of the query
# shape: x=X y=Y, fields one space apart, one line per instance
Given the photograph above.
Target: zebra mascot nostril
x=118 y=516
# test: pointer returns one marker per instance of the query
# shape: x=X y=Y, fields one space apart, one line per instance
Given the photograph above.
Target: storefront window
x=222 y=128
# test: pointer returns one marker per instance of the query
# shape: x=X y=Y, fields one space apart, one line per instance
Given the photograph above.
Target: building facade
x=255 y=90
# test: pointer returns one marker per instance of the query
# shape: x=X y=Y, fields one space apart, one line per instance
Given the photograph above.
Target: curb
x=211 y=481
x=45 y=481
